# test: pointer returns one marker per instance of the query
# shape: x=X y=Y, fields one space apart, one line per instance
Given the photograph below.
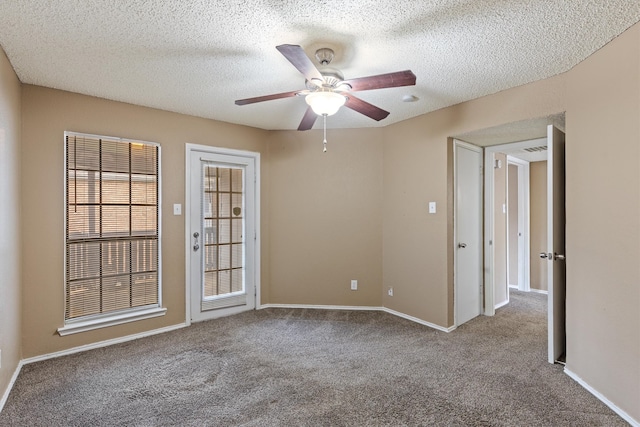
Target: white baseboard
x=502 y=304
x=101 y=344
x=360 y=308
x=420 y=321
x=5 y=396
x=539 y=291
x=596 y=393
x=322 y=307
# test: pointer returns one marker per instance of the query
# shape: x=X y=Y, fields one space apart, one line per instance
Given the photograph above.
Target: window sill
x=89 y=325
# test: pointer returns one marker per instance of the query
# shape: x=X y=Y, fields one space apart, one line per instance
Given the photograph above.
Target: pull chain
x=324 y=142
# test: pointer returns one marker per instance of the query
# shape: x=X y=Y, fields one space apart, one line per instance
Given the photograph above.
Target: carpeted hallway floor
x=291 y=367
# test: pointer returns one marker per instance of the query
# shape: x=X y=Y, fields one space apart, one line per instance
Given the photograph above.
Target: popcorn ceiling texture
x=197 y=56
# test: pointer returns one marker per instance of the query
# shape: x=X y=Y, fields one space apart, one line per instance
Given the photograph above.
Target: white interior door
x=468 y=232
x=222 y=233
x=556 y=243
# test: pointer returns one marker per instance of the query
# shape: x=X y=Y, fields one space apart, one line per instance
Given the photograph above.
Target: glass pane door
x=222 y=212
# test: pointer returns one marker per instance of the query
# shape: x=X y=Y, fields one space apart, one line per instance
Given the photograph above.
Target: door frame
x=489 y=232
x=210 y=150
x=457 y=143
x=524 y=267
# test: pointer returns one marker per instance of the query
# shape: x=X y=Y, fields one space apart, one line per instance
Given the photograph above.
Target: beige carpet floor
x=293 y=367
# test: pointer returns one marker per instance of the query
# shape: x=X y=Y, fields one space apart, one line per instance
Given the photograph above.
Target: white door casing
x=524 y=267
x=556 y=243
x=239 y=248
x=467 y=232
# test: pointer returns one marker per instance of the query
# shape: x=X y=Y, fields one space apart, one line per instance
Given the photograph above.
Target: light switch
x=432 y=207
x=177 y=209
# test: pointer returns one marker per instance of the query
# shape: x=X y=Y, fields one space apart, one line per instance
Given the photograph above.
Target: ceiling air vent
x=536 y=149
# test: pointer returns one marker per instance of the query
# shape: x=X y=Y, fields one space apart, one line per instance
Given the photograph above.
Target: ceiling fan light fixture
x=325 y=103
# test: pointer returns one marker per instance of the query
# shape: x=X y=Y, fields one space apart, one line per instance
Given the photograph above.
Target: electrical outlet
x=177 y=209
x=354 y=285
x=390 y=291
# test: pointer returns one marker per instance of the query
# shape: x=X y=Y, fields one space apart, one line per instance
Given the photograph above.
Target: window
x=112 y=231
x=223 y=231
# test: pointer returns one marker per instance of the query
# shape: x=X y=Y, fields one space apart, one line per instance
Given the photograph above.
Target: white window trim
x=130 y=315
x=112 y=320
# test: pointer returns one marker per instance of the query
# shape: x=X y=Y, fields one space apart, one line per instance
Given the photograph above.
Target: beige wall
x=603 y=221
x=10 y=298
x=500 y=285
x=47 y=113
x=326 y=217
x=417 y=166
x=601 y=97
x=538 y=224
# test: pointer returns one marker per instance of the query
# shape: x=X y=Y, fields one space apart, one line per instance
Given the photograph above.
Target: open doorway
x=518 y=222
x=505 y=237
x=514 y=237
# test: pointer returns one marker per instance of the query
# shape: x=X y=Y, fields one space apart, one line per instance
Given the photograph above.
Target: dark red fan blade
x=266 y=98
x=308 y=120
x=397 y=79
x=295 y=54
x=365 y=108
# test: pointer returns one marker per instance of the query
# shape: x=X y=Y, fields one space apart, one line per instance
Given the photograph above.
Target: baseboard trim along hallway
x=360 y=308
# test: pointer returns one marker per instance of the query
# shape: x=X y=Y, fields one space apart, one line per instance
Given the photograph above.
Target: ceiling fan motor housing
x=332 y=79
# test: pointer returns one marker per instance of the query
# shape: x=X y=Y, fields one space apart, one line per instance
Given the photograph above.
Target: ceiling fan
x=326 y=90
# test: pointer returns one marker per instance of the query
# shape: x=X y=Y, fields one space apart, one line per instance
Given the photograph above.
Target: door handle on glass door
x=196 y=246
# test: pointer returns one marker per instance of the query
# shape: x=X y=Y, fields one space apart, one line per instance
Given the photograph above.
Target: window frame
x=126 y=315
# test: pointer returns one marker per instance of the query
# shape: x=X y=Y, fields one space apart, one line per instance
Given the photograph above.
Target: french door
x=222 y=231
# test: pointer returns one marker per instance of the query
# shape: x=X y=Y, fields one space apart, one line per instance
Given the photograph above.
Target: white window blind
x=112 y=226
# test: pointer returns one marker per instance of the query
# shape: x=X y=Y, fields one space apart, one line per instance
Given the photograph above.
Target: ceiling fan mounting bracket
x=324 y=55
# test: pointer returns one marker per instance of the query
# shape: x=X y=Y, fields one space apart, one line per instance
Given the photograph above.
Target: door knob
x=462 y=245
x=558 y=257
x=543 y=255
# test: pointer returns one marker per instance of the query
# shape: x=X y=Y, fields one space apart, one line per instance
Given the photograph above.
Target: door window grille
x=223 y=213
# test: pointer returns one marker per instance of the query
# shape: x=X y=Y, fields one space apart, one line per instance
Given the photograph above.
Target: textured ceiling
x=197 y=56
